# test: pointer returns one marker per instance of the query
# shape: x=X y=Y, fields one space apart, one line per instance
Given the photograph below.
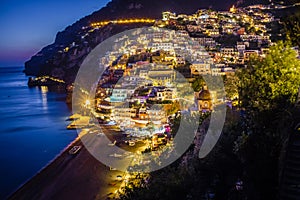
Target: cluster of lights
x=44 y=78
x=123 y=21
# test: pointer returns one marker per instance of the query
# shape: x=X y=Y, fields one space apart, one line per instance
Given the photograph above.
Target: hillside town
x=222 y=41
x=229 y=37
x=139 y=92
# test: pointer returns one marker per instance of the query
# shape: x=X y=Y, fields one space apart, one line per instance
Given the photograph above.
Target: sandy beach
x=79 y=176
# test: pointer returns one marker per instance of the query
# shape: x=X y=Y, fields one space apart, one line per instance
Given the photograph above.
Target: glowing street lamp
x=87 y=103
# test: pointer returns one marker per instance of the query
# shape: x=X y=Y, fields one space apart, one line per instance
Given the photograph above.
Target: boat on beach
x=74 y=150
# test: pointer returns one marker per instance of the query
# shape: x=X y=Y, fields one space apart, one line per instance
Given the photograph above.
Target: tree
x=292 y=28
x=271 y=82
x=172 y=108
x=231 y=86
x=268 y=90
x=198 y=84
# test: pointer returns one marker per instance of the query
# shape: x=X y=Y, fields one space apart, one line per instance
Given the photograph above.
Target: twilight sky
x=29 y=25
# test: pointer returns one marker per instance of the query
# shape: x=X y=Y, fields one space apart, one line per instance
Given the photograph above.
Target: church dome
x=204 y=94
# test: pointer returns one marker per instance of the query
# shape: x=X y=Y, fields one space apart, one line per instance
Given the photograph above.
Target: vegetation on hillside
x=292 y=27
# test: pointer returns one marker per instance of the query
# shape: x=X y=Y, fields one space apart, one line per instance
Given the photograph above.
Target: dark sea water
x=32 y=128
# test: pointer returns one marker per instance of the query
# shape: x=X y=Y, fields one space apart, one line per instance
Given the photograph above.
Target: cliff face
x=63 y=58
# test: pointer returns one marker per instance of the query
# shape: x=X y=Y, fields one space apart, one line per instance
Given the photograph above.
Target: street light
x=87 y=103
x=86 y=106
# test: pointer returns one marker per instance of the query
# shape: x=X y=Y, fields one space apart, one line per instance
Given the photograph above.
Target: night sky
x=29 y=25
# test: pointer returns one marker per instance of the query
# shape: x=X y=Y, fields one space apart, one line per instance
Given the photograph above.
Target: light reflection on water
x=33 y=128
x=44 y=91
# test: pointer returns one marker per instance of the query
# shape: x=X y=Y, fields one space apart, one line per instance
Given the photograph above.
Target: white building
x=166 y=46
x=200 y=69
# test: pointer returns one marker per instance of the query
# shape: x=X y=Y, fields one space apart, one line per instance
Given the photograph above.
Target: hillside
x=50 y=61
x=63 y=58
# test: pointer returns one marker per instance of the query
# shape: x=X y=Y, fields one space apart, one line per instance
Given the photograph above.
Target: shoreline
x=78 y=176
x=44 y=167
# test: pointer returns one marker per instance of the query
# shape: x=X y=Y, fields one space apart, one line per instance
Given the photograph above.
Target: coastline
x=45 y=167
x=57 y=181
x=79 y=176
x=31 y=139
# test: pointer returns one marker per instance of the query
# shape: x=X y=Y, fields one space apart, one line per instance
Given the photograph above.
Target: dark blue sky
x=29 y=25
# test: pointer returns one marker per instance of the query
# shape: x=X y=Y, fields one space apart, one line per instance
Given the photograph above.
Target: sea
x=32 y=128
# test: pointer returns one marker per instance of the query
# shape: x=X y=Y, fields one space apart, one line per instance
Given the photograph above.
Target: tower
x=232 y=9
